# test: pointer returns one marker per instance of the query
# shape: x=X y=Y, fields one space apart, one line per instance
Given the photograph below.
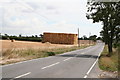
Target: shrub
x=51 y=53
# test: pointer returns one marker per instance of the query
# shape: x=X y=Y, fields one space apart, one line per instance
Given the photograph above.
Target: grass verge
x=13 y=56
x=109 y=63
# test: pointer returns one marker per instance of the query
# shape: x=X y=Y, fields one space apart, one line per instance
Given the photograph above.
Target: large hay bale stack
x=60 y=38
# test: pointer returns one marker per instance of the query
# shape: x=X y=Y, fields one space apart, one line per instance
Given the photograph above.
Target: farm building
x=60 y=38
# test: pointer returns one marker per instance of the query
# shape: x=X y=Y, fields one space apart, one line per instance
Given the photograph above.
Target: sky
x=33 y=17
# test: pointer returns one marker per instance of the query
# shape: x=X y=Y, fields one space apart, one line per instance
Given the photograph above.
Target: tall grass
x=109 y=63
x=11 y=55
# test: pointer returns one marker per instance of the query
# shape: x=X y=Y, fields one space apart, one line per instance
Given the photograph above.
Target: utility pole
x=78 y=39
x=89 y=37
x=2 y=18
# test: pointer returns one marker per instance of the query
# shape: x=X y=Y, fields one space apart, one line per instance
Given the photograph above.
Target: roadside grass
x=109 y=63
x=13 y=56
x=119 y=61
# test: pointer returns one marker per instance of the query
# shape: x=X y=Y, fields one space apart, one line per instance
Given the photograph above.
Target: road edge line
x=93 y=64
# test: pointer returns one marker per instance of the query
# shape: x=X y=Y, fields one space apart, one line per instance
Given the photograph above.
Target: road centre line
x=67 y=59
x=26 y=61
x=50 y=65
x=21 y=75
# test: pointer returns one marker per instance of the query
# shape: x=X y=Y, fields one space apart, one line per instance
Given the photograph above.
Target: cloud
x=38 y=16
x=62 y=27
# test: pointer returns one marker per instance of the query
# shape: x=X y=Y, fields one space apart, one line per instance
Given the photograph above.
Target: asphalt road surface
x=75 y=64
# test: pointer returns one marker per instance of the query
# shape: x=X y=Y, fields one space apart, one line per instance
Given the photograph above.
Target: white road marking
x=82 y=53
x=21 y=75
x=37 y=59
x=50 y=65
x=67 y=59
x=90 y=68
x=93 y=65
x=26 y=61
x=85 y=76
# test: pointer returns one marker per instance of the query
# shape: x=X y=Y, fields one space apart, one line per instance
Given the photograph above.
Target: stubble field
x=16 y=51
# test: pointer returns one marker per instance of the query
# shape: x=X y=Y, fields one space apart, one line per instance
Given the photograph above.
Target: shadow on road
x=78 y=56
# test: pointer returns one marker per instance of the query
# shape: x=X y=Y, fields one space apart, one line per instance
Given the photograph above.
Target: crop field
x=7 y=44
x=16 y=51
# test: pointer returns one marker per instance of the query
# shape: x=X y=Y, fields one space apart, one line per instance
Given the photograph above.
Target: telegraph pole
x=89 y=38
x=78 y=39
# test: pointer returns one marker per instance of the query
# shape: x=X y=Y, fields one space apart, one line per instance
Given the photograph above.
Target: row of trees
x=92 y=37
x=39 y=38
x=23 y=38
x=109 y=14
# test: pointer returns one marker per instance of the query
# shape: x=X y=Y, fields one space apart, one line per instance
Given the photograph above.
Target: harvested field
x=7 y=44
x=17 y=51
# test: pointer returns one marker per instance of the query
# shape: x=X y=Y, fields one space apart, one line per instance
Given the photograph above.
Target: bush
x=116 y=45
x=50 y=53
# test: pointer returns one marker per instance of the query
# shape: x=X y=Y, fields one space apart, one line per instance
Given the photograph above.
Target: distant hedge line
x=37 y=39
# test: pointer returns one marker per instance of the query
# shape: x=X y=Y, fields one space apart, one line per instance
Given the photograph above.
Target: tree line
x=22 y=38
x=40 y=37
x=92 y=37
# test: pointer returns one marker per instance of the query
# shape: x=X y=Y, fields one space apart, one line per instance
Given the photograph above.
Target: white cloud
x=37 y=16
x=62 y=27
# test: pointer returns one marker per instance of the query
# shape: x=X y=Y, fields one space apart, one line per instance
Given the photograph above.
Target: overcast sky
x=33 y=17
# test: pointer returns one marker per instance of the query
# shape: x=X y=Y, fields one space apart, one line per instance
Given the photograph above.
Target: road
x=75 y=64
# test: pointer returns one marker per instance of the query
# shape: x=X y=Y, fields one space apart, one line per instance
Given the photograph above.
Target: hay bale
x=60 y=38
x=47 y=43
x=13 y=40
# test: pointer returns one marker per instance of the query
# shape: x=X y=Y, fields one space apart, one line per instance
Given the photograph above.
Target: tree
x=32 y=36
x=99 y=38
x=117 y=37
x=6 y=35
x=20 y=35
x=93 y=37
x=84 y=37
x=36 y=36
x=41 y=35
x=108 y=14
x=104 y=38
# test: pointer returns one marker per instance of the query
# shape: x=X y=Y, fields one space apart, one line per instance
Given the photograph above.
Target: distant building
x=60 y=38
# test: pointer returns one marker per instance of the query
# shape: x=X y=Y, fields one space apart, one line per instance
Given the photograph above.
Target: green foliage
x=93 y=37
x=22 y=38
x=50 y=53
x=109 y=14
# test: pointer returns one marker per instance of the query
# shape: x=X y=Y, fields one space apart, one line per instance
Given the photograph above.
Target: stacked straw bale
x=60 y=38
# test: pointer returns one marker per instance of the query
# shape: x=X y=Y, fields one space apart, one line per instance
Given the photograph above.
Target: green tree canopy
x=109 y=14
